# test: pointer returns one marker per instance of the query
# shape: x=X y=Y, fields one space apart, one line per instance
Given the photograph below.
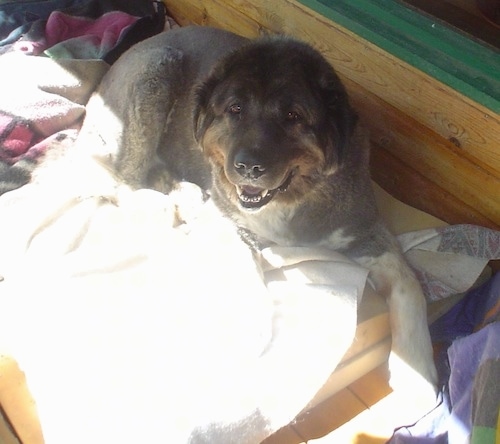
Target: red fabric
x=16 y=137
x=107 y=28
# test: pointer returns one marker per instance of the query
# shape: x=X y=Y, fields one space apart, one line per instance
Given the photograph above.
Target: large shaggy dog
x=265 y=126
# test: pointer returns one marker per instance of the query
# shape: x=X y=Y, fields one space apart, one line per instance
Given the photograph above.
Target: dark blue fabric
x=467 y=314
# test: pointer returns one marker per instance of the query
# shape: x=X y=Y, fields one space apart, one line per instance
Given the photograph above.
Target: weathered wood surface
x=438 y=138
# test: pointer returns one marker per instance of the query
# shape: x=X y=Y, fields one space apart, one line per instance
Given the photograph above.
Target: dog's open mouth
x=252 y=197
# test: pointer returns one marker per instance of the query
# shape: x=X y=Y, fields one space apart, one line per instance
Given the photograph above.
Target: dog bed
x=137 y=316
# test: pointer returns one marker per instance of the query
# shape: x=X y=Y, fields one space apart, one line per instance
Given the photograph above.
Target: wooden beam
x=438 y=166
x=409 y=186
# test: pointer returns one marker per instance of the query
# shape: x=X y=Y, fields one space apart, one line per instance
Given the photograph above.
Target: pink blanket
x=43 y=103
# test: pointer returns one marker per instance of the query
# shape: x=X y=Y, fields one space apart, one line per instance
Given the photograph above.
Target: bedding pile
x=44 y=97
x=139 y=316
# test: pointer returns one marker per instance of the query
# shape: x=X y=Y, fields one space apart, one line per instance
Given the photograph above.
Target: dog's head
x=273 y=118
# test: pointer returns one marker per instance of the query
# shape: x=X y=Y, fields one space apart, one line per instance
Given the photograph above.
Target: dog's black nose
x=249 y=170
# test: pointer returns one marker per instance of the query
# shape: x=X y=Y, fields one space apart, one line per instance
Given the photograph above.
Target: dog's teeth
x=247 y=196
x=253 y=199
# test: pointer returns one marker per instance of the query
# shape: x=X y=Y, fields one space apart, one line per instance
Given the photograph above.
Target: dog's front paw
x=414 y=383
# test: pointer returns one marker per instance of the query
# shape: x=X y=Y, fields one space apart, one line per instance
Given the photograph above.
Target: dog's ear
x=203 y=114
x=341 y=118
x=203 y=110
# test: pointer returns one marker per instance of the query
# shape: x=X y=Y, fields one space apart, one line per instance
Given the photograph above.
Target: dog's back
x=145 y=102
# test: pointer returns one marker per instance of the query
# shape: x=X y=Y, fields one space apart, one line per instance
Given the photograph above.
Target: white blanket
x=131 y=327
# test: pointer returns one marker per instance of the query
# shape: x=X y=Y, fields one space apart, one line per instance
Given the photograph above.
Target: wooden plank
x=356 y=431
x=430 y=156
x=328 y=415
x=349 y=371
x=17 y=403
x=213 y=13
x=7 y=435
x=373 y=324
x=442 y=166
x=285 y=435
x=455 y=117
x=368 y=333
x=372 y=387
x=407 y=185
x=346 y=413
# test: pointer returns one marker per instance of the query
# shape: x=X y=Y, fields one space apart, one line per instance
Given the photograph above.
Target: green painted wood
x=429 y=45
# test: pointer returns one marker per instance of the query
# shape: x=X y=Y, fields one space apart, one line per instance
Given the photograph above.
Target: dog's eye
x=293 y=116
x=235 y=108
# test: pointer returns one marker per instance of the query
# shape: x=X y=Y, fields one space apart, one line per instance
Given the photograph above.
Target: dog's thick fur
x=265 y=126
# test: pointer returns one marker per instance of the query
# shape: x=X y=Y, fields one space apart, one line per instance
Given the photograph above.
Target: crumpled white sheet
x=131 y=327
x=449 y=259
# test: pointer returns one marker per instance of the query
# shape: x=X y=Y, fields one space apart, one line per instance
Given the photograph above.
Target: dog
x=264 y=126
